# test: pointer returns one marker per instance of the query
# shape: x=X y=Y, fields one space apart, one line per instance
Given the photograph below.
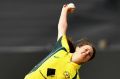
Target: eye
x=90 y=53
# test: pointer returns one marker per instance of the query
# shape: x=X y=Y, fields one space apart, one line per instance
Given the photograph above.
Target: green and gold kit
x=57 y=65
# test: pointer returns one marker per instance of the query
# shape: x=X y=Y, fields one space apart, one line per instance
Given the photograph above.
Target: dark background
x=28 y=31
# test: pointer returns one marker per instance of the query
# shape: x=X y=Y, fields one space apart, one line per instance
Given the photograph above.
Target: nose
x=87 y=51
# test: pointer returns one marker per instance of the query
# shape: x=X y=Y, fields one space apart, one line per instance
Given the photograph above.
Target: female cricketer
x=61 y=63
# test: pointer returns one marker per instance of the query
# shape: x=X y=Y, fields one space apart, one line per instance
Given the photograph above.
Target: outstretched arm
x=62 y=24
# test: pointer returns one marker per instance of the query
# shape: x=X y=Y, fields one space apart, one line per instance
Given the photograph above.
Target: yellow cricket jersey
x=57 y=65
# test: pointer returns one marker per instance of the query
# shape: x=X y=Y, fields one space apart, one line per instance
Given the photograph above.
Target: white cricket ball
x=71 y=5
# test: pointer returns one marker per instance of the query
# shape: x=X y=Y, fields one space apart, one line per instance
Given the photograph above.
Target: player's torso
x=53 y=68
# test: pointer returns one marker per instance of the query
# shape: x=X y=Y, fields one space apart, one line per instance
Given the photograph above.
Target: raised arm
x=62 y=24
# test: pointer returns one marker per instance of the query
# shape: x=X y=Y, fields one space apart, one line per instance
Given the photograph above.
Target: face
x=83 y=54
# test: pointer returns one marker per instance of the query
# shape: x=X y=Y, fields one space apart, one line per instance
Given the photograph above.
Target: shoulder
x=66 y=42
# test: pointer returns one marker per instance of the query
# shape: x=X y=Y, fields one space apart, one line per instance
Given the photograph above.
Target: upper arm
x=61 y=31
x=66 y=43
x=63 y=42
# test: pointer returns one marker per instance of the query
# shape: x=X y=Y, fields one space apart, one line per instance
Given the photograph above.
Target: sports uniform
x=57 y=65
